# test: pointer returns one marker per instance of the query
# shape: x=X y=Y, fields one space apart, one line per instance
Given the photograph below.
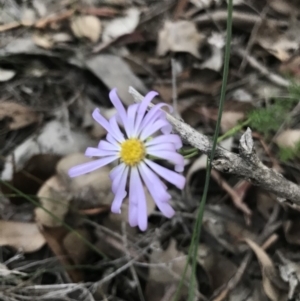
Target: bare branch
x=246 y=164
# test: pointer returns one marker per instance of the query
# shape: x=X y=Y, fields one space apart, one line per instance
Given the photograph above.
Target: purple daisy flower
x=134 y=150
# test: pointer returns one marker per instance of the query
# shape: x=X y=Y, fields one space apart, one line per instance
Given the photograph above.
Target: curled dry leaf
x=55 y=240
x=278 y=43
x=87 y=27
x=55 y=137
x=167 y=270
x=44 y=41
x=287 y=7
x=292 y=231
x=114 y=72
x=25 y=237
x=52 y=198
x=288 y=138
x=272 y=283
x=290 y=273
x=75 y=246
x=172 y=264
x=121 y=25
x=265 y=203
x=203 y=4
x=6 y=74
x=28 y=16
x=215 y=61
x=218 y=267
x=230 y=119
x=179 y=36
x=19 y=116
x=93 y=189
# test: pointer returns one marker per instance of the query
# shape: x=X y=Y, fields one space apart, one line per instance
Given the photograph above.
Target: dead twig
x=246 y=164
x=254 y=63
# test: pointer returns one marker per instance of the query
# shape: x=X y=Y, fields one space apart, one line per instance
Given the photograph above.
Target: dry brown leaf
x=215 y=61
x=167 y=270
x=218 y=267
x=288 y=138
x=6 y=74
x=292 y=231
x=52 y=198
x=87 y=27
x=290 y=273
x=43 y=41
x=61 y=37
x=54 y=238
x=28 y=16
x=92 y=189
x=75 y=246
x=291 y=67
x=114 y=72
x=179 y=36
x=35 y=172
x=278 y=43
x=172 y=264
x=265 y=203
x=230 y=119
x=25 y=237
x=286 y=7
x=203 y=4
x=19 y=115
x=269 y=273
x=121 y=25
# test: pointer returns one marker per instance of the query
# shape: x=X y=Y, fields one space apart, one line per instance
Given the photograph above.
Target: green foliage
x=268 y=120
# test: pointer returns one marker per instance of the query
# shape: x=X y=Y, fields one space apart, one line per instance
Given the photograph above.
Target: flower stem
x=193 y=250
x=197 y=228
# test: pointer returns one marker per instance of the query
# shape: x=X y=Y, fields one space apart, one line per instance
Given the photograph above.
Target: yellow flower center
x=132 y=152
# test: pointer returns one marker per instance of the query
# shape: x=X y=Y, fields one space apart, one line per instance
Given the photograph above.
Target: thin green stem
x=234 y=130
x=197 y=229
x=65 y=225
x=187 y=151
x=191 y=155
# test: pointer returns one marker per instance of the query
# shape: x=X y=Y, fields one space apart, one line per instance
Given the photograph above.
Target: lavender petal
x=152 y=128
x=154 y=114
x=171 y=138
x=159 y=195
x=137 y=210
x=90 y=166
x=115 y=130
x=96 y=152
x=114 y=98
x=142 y=203
x=170 y=156
x=165 y=209
x=131 y=116
x=169 y=175
x=123 y=174
x=155 y=186
x=143 y=108
x=161 y=147
x=108 y=146
x=121 y=191
x=101 y=120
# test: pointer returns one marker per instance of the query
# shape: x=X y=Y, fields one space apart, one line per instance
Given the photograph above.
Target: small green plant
x=268 y=120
